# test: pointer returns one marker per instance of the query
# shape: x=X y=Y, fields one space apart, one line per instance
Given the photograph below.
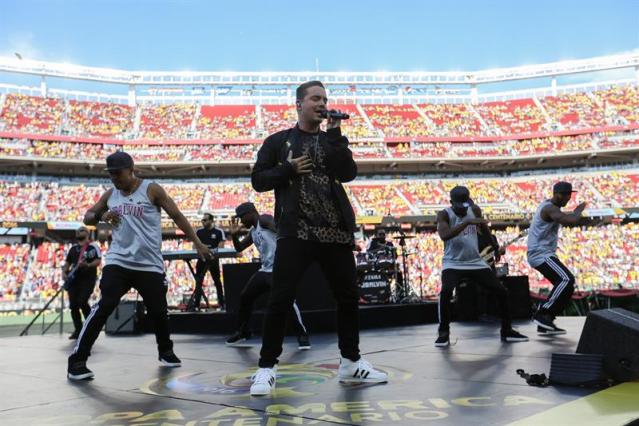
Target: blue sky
x=289 y=35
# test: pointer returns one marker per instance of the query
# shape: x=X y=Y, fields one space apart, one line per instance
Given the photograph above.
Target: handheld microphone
x=334 y=114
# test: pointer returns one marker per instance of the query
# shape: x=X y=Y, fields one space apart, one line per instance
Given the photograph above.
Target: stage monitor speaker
x=576 y=369
x=127 y=318
x=613 y=333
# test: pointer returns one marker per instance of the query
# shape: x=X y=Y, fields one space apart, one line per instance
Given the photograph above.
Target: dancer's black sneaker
x=237 y=338
x=74 y=335
x=554 y=332
x=544 y=320
x=443 y=340
x=303 y=342
x=169 y=359
x=77 y=370
x=512 y=336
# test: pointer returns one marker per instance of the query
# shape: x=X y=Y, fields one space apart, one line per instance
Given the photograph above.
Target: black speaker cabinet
x=613 y=333
x=127 y=318
x=313 y=292
x=576 y=369
x=474 y=300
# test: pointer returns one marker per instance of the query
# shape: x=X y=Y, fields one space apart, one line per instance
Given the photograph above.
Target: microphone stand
x=405 y=281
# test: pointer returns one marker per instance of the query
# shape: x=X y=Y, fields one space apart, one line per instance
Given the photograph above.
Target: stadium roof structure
x=276 y=87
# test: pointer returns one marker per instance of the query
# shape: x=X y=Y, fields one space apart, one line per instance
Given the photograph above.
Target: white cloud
x=24 y=44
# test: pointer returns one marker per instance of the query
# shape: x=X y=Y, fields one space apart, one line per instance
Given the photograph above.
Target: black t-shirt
x=211 y=237
x=91 y=253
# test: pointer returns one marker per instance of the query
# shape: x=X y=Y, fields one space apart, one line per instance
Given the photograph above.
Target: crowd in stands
x=451 y=120
x=379 y=200
x=574 y=111
x=617 y=105
x=172 y=121
x=363 y=149
x=396 y=120
x=100 y=119
x=39 y=201
x=68 y=203
x=31 y=114
x=623 y=99
x=512 y=117
x=21 y=201
x=14 y=259
x=226 y=122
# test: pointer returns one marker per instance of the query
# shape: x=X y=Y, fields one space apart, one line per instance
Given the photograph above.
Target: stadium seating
x=99 y=119
x=452 y=120
x=396 y=120
x=171 y=121
x=512 y=117
x=32 y=114
x=574 y=111
x=226 y=122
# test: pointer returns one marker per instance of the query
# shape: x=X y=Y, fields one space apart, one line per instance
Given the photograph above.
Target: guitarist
x=79 y=272
x=457 y=227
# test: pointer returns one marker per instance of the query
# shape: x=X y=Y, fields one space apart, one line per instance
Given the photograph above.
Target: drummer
x=379 y=242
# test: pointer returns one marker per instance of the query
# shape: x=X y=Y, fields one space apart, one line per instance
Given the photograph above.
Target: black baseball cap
x=460 y=197
x=244 y=208
x=118 y=160
x=562 y=188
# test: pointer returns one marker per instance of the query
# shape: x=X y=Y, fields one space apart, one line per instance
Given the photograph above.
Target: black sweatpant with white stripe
x=260 y=283
x=115 y=283
x=563 y=285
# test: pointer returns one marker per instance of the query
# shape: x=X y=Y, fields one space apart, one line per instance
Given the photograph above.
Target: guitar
x=488 y=253
x=82 y=257
x=71 y=277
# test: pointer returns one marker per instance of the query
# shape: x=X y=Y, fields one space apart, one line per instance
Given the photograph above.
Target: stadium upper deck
x=410 y=121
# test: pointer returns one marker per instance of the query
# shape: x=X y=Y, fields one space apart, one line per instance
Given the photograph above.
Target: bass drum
x=374 y=287
x=363 y=261
x=385 y=258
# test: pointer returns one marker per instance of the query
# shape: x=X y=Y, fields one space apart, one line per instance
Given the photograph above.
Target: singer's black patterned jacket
x=272 y=171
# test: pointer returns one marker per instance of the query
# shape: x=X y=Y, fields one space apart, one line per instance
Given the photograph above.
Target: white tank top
x=542 y=238
x=137 y=240
x=462 y=251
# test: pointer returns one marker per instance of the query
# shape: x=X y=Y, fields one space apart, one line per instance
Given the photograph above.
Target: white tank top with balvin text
x=137 y=240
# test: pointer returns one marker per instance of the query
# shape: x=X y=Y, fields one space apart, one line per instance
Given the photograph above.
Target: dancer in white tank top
x=457 y=227
x=134 y=258
x=542 y=247
x=263 y=234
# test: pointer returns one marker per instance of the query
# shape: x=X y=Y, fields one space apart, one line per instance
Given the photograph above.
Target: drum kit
x=378 y=269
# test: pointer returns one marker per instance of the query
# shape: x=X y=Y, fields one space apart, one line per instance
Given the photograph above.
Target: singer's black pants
x=292 y=257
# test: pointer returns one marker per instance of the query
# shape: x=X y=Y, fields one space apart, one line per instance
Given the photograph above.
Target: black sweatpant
x=213 y=266
x=484 y=277
x=79 y=295
x=292 y=258
x=563 y=285
x=260 y=283
x=115 y=283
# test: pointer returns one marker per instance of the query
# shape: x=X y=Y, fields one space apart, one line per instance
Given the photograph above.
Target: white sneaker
x=359 y=371
x=263 y=381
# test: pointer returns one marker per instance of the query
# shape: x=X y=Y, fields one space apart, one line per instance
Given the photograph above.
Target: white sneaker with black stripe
x=360 y=371
x=263 y=381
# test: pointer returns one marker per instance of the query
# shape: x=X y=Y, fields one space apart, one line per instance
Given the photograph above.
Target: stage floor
x=471 y=383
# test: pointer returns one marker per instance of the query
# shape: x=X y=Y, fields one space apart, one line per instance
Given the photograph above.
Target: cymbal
x=404 y=236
